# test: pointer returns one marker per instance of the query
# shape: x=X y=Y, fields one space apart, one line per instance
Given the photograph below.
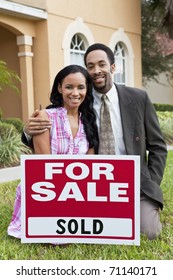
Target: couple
x=134 y=122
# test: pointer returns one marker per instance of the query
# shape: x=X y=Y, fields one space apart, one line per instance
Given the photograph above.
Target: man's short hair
x=102 y=47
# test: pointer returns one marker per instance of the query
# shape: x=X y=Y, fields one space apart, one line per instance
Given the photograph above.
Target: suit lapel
x=128 y=113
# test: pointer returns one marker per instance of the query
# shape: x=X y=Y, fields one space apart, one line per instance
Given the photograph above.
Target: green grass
x=159 y=249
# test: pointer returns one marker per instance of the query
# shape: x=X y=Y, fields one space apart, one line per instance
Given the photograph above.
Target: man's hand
x=36 y=125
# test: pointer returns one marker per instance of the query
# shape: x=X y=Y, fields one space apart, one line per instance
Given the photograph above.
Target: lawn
x=159 y=249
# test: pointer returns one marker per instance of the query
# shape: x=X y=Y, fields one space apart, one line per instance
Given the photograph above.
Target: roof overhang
x=19 y=10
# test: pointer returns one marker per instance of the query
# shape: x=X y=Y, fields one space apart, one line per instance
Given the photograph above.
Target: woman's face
x=73 y=90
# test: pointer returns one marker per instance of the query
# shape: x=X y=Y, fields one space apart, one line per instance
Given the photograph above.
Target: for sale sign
x=80 y=199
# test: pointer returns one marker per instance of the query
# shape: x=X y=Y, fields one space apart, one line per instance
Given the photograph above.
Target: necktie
x=106 y=137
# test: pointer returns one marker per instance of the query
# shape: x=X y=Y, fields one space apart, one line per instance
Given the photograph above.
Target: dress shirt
x=115 y=117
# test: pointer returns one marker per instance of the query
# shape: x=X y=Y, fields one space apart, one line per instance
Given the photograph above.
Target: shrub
x=16 y=122
x=11 y=146
x=165 y=115
x=163 y=107
x=166 y=125
x=8 y=77
x=5 y=128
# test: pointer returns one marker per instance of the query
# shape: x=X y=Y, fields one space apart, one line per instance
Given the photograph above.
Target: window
x=77 y=50
x=124 y=57
x=77 y=38
x=120 y=64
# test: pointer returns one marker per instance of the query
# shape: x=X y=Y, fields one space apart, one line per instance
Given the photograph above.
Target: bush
x=5 y=128
x=166 y=125
x=163 y=107
x=8 y=77
x=11 y=146
x=167 y=115
x=16 y=122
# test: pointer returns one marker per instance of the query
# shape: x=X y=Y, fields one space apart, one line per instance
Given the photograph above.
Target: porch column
x=25 y=55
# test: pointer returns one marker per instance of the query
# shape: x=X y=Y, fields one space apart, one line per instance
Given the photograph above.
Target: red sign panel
x=80 y=199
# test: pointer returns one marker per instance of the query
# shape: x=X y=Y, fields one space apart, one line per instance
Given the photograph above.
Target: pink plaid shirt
x=62 y=142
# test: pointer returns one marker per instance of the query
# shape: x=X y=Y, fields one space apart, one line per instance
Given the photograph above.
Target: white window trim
x=77 y=26
x=122 y=60
x=120 y=36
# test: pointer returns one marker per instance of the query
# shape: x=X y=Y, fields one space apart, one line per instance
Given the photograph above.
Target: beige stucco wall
x=11 y=103
x=102 y=18
x=9 y=100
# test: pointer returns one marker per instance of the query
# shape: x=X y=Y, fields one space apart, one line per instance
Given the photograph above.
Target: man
x=135 y=128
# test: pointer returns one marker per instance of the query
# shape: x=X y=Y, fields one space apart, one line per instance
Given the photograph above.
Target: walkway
x=9 y=174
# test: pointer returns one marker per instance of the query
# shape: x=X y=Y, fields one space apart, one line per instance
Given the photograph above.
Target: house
x=38 y=38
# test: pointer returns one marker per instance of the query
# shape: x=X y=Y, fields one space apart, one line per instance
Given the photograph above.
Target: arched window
x=77 y=50
x=124 y=57
x=120 y=64
x=77 y=38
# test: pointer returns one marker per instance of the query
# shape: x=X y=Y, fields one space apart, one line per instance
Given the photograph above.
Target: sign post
x=80 y=199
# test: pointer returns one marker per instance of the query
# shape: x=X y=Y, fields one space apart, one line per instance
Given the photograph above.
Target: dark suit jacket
x=142 y=133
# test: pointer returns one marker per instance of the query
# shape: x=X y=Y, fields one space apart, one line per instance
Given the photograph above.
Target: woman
x=73 y=130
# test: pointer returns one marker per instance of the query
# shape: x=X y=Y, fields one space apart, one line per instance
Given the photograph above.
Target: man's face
x=100 y=70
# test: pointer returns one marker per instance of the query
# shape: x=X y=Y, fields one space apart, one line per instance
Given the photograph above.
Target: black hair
x=102 y=47
x=88 y=116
